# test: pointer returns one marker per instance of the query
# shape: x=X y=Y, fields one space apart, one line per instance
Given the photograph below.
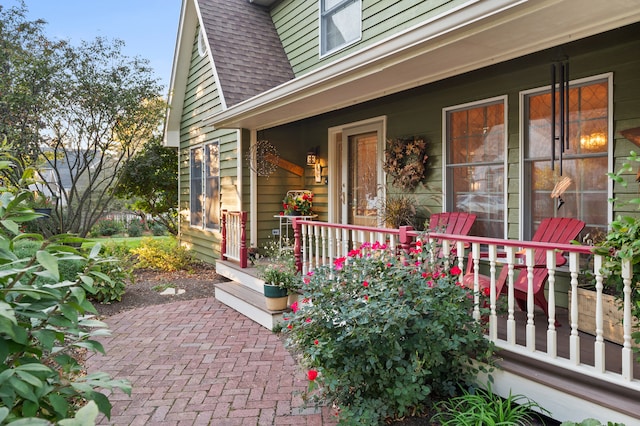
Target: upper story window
x=475 y=163
x=202 y=43
x=340 y=24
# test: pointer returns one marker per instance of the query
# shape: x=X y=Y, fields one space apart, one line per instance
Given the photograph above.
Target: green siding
x=201 y=99
x=419 y=112
x=297 y=22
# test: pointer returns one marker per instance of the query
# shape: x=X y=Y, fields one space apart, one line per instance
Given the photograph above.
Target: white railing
x=233 y=245
x=319 y=243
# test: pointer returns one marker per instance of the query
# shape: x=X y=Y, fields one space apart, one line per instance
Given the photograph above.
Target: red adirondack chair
x=457 y=223
x=452 y=222
x=559 y=230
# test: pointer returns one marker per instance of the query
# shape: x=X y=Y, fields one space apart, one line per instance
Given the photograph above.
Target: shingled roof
x=246 y=49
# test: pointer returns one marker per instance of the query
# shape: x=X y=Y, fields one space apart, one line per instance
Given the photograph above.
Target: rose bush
x=384 y=335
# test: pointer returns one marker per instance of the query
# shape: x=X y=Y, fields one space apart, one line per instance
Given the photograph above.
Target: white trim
x=322 y=54
x=214 y=69
x=504 y=99
x=336 y=211
x=239 y=176
x=610 y=139
x=253 y=194
x=478 y=34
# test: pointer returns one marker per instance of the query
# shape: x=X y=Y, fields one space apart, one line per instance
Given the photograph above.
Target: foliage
x=158 y=229
x=480 y=407
x=134 y=229
x=107 y=228
x=383 y=335
x=77 y=113
x=163 y=255
x=298 y=204
x=44 y=320
x=623 y=243
x=399 y=210
x=150 y=179
x=278 y=267
x=590 y=422
x=407 y=161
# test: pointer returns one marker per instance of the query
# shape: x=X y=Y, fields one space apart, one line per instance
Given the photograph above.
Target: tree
x=78 y=113
x=151 y=179
x=28 y=61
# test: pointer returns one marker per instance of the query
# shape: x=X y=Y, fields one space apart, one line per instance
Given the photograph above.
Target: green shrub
x=134 y=229
x=164 y=255
x=107 y=228
x=158 y=229
x=383 y=336
x=480 y=407
x=44 y=319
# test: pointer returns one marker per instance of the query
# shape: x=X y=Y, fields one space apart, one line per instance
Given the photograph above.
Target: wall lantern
x=311 y=158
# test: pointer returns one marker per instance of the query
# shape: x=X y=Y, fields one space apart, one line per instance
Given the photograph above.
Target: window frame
x=205 y=177
x=323 y=14
x=448 y=202
x=525 y=216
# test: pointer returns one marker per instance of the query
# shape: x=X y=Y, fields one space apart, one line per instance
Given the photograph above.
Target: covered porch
x=568 y=371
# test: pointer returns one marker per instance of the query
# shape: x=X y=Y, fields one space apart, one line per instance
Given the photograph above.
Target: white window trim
x=202 y=43
x=445 y=162
x=341 y=47
x=522 y=95
x=203 y=146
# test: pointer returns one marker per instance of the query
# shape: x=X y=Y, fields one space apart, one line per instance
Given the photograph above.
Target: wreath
x=406 y=160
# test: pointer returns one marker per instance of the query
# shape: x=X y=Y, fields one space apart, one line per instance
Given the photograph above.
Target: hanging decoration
x=406 y=160
x=263 y=158
x=559 y=77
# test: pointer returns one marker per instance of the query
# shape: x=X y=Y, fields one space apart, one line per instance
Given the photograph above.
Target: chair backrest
x=559 y=230
x=457 y=223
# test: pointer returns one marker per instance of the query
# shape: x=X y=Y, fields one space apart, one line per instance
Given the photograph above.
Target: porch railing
x=234 y=237
x=319 y=243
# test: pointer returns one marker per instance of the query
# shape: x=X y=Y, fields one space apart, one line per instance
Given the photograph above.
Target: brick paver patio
x=199 y=362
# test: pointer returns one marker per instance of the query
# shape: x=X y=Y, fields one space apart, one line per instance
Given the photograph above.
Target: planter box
x=611 y=315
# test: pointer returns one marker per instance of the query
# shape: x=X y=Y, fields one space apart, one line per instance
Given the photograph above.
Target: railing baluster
x=574 y=339
x=531 y=327
x=627 y=351
x=510 y=258
x=493 y=317
x=598 y=346
x=552 y=343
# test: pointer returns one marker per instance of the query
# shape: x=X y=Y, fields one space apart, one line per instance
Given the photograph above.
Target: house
x=494 y=87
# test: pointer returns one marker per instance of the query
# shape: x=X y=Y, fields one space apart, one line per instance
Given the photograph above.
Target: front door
x=361 y=181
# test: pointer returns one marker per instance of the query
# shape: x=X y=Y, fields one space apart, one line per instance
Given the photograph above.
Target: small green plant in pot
x=278 y=271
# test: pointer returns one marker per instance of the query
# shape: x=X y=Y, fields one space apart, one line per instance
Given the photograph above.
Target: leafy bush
x=590 y=422
x=482 y=407
x=134 y=229
x=158 y=229
x=383 y=335
x=107 y=228
x=44 y=319
x=164 y=255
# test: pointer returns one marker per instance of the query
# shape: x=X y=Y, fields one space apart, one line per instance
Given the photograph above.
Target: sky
x=148 y=27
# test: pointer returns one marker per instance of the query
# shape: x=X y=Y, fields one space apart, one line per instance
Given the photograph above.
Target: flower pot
x=275 y=297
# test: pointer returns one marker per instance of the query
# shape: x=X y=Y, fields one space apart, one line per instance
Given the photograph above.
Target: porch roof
x=477 y=34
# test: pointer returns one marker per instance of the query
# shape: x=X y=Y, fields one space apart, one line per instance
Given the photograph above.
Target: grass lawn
x=131 y=242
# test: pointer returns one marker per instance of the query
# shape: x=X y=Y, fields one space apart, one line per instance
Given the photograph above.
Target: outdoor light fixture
x=311 y=158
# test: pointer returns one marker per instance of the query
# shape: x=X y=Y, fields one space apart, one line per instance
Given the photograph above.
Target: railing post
x=223 y=243
x=297 y=243
x=404 y=239
x=243 y=240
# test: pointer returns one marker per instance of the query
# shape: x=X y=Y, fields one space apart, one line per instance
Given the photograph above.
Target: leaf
x=85 y=416
x=6 y=311
x=49 y=262
x=22 y=389
x=59 y=404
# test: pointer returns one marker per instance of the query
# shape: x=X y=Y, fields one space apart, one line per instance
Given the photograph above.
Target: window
x=340 y=24
x=202 y=43
x=584 y=161
x=205 y=186
x=475 y=164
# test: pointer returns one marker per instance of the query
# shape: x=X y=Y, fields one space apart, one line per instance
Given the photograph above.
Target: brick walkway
x=199 y=362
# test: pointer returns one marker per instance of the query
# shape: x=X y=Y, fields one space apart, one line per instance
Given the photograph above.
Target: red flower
x=312 y=374
x=486 y=291
x=366 y=297
x=366 y=284
x=315 y=342
x=339 y=263
x=308 y=320
x=290 y=327
x=294 y=307
x=455 y=270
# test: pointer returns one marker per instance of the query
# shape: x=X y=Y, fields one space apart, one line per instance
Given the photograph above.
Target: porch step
x=248 y=302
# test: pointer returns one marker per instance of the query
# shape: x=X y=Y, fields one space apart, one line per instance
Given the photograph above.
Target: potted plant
x=278 y=271
x=298 y=203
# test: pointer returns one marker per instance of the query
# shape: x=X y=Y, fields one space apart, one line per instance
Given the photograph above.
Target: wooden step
x=248 y=302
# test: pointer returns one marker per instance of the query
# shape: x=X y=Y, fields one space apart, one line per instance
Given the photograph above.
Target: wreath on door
x=407 y=161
